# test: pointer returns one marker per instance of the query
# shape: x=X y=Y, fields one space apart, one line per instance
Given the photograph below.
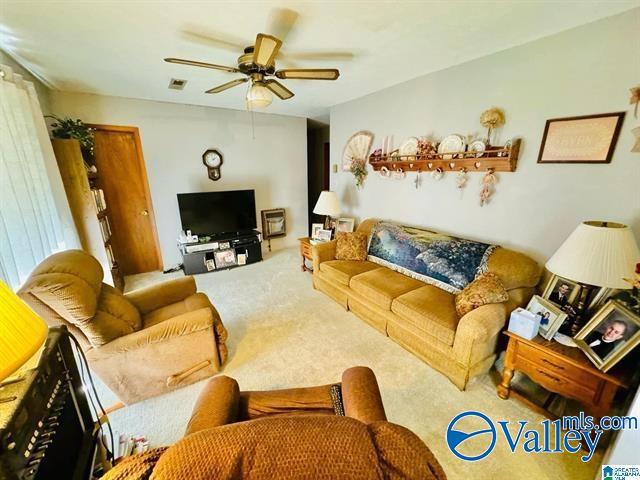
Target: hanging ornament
x=635 y=98
x=488 y=182
x=418 y=181
x=492 y=119
x=461 y=178
x=437 y=174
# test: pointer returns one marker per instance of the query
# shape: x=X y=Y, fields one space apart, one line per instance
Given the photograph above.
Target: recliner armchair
x=323 y=432
x=141 y=344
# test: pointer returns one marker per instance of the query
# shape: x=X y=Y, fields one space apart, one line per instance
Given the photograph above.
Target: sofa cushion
x=514 y=269
x=189 y=304
x=351 y=246
x=429 y=309
x=485 y=289
x=382 y=285
x=341 y=271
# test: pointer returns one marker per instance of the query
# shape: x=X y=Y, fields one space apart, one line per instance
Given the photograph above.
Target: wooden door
x=123 y=178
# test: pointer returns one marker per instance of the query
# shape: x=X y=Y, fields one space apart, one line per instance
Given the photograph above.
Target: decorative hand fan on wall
x=357 y=148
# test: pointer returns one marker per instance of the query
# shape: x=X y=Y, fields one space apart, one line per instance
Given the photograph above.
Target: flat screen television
x=215 y=213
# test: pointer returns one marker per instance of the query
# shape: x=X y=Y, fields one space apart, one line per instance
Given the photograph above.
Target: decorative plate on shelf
x=409 y=148
x=452 y=143
x=477 y=146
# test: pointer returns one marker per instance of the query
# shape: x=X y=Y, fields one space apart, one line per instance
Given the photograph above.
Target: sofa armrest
x=477 y=332
x=361 y=395
x=217 y=405
x=178 y=326
x=323 y=252
x=162 y=294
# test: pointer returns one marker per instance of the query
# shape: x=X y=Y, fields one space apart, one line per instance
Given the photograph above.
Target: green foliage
x=69 y=128
x=359 y=170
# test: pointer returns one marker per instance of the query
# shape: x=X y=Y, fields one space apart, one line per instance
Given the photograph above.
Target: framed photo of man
x=561 y=291
x=610 y=335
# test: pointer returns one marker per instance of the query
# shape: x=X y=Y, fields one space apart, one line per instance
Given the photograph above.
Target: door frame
x=147 y=192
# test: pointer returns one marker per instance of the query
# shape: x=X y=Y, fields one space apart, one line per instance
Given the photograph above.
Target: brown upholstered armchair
x=288 y=434
x=141 y=344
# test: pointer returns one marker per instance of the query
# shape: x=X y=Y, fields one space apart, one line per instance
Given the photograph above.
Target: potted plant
x=76 y=129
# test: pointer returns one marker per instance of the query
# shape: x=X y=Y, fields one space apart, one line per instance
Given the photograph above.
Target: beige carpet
x=283 y=333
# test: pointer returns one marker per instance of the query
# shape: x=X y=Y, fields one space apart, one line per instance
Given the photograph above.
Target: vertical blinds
x=30 y=227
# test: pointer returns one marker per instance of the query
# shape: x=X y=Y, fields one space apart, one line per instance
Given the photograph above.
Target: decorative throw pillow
x=351 y=246
x=485 y=289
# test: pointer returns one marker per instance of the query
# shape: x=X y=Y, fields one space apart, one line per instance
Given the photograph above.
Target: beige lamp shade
x=22 y=332
x=597 y=253
x=327 y=204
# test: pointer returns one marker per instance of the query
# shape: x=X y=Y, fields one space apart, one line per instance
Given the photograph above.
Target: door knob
x=144 y=212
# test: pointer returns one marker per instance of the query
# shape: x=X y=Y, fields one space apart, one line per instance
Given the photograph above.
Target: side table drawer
x=553 y=365
x=553 y=382
x=305 y=250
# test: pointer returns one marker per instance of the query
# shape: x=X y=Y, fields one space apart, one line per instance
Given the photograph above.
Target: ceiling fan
x=258 y=63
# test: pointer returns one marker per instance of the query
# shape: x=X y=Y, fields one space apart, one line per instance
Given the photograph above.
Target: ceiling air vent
x=177 y=84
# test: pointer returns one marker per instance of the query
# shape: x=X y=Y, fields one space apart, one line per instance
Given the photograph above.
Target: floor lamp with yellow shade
x=22 y=334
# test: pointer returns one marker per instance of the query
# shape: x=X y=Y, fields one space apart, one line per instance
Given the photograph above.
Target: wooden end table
x=305 y=253
x=562 y=370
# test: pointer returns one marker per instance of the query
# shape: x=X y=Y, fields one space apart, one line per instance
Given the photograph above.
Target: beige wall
x=582 y=71
x=174 y=137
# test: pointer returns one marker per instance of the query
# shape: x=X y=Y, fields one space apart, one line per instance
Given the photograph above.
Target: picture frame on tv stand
x=225 y=258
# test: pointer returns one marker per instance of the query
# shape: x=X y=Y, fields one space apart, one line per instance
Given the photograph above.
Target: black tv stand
x=222 y=252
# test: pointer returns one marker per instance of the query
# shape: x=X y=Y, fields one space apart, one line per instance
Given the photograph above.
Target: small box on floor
x=524 y=323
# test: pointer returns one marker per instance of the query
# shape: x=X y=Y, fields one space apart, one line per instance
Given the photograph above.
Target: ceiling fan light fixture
x=258 y=96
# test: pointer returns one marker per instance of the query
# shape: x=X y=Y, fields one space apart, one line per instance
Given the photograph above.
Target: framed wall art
x=585 y=139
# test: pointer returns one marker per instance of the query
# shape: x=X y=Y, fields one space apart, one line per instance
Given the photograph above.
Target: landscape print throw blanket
x=447 y=262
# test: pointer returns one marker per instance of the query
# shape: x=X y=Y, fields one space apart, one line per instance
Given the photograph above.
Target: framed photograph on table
x=345 y=225
x=315 y=228
x=551 y=316
x=585 y=139
x=324 y=235
x=610 y=335
x=561 y=291
x=225 y=258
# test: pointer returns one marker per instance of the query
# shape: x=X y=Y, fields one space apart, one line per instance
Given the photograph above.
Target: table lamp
x=22 y=332
x=600 y=254
x=328 y=205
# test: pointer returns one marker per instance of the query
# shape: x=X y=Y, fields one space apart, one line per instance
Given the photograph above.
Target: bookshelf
x=88 y=207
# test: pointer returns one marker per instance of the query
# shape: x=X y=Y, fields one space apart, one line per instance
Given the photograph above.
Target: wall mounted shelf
x=499 y=159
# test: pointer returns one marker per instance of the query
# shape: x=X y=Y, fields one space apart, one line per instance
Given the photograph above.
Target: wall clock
x=212 y=159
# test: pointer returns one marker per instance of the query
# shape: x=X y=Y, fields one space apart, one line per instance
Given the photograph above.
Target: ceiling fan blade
x=309 y=73
x=319 y=55
x=282 y=22
x=201 y=64
x=225 y=86
x=280 y=90
x=208 y=37
x=266 y=49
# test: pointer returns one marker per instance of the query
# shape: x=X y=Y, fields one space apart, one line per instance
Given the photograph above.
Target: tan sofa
x=421 y=317
x=297 y=433
x=141 y=344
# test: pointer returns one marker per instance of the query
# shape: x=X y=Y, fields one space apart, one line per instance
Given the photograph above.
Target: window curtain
x=30 y=227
